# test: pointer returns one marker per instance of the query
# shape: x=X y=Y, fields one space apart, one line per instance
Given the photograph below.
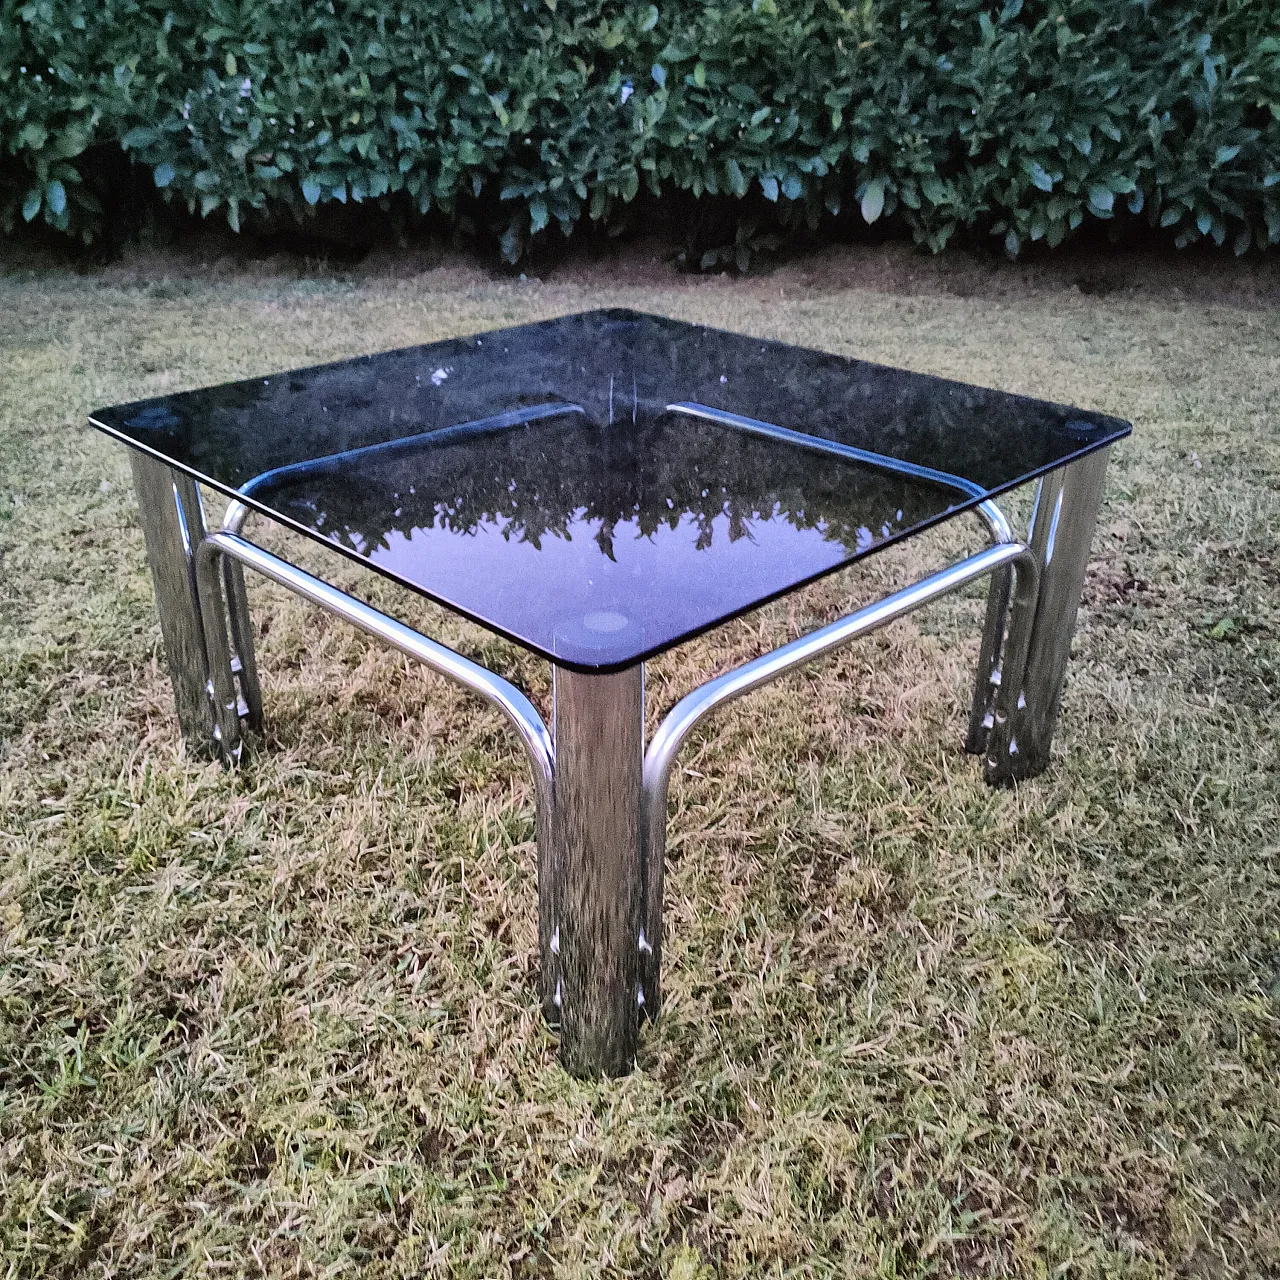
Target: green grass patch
x=283 y=1021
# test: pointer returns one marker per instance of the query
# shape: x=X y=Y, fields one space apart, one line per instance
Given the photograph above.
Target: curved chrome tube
x=235 y=515
x=237 y=510
x=461 y=430
x=986 y=684
x=494 y=689
x=713 y=695
x=245 y=661
x=997 y=522
x=821 y=444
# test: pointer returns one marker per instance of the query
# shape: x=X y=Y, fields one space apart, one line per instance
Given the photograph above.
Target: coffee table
x=599 y=488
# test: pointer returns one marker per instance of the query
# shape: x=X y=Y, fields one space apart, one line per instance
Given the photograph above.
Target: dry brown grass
x=282 y=1021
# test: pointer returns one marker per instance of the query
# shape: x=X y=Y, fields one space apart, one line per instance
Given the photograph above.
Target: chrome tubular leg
x=244 y=664
x=243 y=661
x=653 y=856
x=593 y=898
x=1061 y=535
x=173 y=525
x=986 y=684
x=222 y=682
x=550 y=987
x=987 y=681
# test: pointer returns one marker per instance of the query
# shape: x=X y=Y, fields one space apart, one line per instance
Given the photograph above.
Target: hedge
x=1024 y=120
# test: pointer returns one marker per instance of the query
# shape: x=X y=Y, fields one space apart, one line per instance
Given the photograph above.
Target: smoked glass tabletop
x=603 y=486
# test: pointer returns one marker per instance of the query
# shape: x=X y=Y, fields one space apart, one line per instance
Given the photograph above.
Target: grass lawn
x=283 y=1021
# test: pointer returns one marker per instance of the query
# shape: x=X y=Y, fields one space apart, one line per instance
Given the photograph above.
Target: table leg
x=592 y=891
x=987 y=683
x=223 y=691
x=173 y=525
x=240 y=621
x=244 y=664
x=1061 y=534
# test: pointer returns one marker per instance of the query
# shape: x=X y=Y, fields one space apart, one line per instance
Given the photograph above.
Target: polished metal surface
x=437 y=435
x=696 y=706
x=240 y=621
x=172 y=523
x=494 y=689
x=592 y=898
x=235 y=551
x=982 y=715
x=223 y=691
x=987 y=679
x=998 y=526
x=235 y=515
x=820 y=444
x=1061 y=535
x=244 y=664
x=986 y=683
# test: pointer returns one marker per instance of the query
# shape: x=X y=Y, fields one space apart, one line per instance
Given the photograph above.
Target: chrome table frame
x=601 y=796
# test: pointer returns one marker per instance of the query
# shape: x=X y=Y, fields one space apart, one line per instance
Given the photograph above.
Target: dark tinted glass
x=603 y=486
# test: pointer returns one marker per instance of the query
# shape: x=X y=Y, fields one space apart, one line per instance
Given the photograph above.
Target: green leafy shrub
x=1023 y=121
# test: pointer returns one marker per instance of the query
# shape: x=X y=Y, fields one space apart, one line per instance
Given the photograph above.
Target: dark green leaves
x=873 y=200
x=943 y=117
x=139 y=137
x=1039 y=177
x=1101 y=200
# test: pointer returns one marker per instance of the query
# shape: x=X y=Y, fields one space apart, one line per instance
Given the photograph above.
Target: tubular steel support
x=493 y=689
x=593 y=905
x=696 y=706
x=243 y=659
x=590 y=886
x=173 y=524
x=982 y=715
x=243 y=663
x=1061 y=535
x=986 y=684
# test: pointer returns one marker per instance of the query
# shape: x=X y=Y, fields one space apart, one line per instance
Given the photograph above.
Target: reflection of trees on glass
x=536 y=481
x=607 y=362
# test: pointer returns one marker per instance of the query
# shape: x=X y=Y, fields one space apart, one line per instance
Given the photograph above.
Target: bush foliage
x=1023 y=119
